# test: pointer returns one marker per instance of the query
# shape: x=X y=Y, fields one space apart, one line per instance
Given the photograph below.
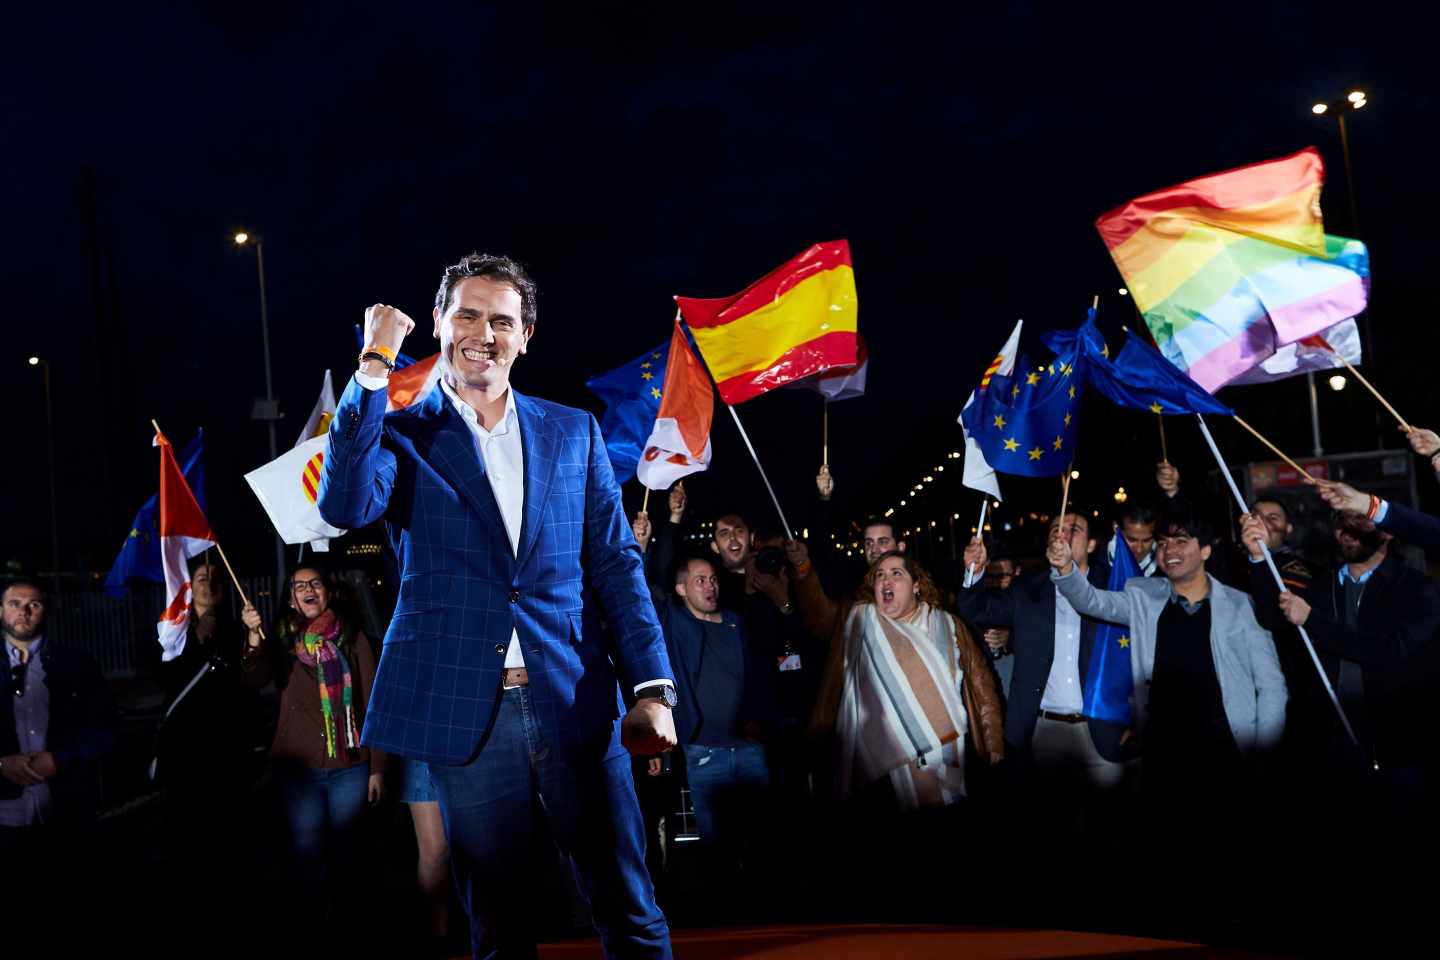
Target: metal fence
x=120 y=634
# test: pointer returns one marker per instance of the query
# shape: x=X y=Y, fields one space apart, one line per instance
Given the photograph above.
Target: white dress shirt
x=503 y=457
x=1063 y=692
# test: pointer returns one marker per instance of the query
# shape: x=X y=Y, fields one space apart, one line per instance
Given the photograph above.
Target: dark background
x=631 y=151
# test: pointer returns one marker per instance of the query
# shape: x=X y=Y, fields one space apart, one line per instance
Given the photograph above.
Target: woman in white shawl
x=904 y=681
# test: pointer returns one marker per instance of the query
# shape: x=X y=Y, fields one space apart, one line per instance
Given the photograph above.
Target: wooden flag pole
x=1368 y=386
x=1256 y=433
x=245 y=600
x=1164 y=451
x=645 y=502
x=1279 y=582
x=771 y=490
x=1064 y=495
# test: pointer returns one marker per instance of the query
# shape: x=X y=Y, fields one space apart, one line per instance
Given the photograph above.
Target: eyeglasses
x=17 y=678
x=316 y=584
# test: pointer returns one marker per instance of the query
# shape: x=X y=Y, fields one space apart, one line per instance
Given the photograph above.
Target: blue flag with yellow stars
x=1139 y=378
x=632 y=400
x=139 y=558
x=1109 y=683
x=1026 y=423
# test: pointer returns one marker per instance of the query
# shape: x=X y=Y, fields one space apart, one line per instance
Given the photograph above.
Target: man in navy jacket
x=507 y=525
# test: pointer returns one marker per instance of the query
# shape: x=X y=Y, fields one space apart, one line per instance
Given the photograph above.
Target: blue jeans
x=494 y=805
x=727 y=788
x=323 y=809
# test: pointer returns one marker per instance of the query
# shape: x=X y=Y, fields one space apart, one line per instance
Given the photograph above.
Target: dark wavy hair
x=925 y=588
x=289 y=622
x=492 y=267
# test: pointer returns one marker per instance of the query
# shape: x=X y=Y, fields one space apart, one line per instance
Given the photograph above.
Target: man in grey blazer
x=1208 y=686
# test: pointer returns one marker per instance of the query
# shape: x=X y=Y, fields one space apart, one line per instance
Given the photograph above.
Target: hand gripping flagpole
x=979 y=532
x=1274 y=572
x=749 y=446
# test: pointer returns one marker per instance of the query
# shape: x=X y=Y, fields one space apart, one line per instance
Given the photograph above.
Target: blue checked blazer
x=462 y=589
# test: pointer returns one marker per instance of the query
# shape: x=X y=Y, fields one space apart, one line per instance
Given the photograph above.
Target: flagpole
x=1274 y=572
x=1064 y=495
x=1276 y=450
x=645 y=501
x=749 y=446
x=244 y=600
x=979 y=532
x=1383 y=402
x=1164 y=452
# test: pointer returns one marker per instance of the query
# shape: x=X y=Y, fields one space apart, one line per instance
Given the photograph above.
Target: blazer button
x=514 y=596
x=500 y=648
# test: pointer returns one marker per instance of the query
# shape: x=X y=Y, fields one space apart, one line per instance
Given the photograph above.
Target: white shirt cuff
x=369 y=382
x=654 y=683
x=1383 y=512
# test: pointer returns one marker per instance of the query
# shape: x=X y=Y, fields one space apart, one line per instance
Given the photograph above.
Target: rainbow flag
x=1228 y=268
x=797 y=321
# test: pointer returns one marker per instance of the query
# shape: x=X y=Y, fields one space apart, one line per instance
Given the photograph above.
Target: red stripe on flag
x=1246 y=186
x=180 y=515
x=833 y=349
x=718 y=311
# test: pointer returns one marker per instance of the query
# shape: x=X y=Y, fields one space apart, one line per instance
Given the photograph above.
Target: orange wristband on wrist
x=384 y=351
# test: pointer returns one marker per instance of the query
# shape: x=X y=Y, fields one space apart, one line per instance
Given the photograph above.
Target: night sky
x=627 y=152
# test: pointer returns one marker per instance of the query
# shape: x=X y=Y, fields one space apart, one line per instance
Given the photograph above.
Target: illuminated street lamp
x=266 y=409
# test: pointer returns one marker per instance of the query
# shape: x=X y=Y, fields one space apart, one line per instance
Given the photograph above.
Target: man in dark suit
x=57 y=721
x=506 y=519
x=1045 y=729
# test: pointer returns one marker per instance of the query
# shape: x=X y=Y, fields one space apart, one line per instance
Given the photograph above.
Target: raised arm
x=358 y=473
x=1108 y=605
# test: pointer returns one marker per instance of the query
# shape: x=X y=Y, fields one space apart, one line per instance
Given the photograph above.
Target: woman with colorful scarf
x=904 y=682
x=324 y=669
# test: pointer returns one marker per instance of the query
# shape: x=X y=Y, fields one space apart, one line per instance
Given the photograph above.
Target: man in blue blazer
x=508 y=528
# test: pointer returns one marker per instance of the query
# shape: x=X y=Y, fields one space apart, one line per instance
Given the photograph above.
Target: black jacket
x=81 y=729
x=1394 y=644
x=1028 y=608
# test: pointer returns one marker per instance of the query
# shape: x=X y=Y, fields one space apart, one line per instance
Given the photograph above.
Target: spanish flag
x=795 y=322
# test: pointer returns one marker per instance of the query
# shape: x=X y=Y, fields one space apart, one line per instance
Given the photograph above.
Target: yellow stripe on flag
x=818 y=305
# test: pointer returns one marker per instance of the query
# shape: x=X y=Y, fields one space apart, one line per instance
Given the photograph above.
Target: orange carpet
x=905 y=943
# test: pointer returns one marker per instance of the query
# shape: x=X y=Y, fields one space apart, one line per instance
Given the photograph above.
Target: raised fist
x=825 y=483
x=976 y=556
x=1167 y=477
x=1059 y=553
x=386 y=326
x=641 y=529
x=678 y=502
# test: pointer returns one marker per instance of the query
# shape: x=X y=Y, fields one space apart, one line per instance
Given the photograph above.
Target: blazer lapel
x=451 y=451
x=541 y=445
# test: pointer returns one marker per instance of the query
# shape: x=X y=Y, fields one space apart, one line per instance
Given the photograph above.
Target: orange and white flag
x=680 y=443
x=184 y=533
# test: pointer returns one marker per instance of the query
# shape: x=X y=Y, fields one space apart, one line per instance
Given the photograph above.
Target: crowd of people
x=811 y=690
x=800 y=727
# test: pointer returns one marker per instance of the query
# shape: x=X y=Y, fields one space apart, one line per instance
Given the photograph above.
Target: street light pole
x=44 y=366
x=269 y=412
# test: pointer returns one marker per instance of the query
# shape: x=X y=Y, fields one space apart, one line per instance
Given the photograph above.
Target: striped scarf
x=901 y=712
x=318 y=650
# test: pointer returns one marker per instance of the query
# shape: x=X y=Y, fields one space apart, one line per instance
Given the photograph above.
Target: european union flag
x=1026 y=423
x=139 y=558
x=1109 y=684
x=1139 y=378
x=632 y=401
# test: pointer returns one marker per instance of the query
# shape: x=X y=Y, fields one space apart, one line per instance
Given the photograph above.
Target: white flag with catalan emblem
x=288 y=487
